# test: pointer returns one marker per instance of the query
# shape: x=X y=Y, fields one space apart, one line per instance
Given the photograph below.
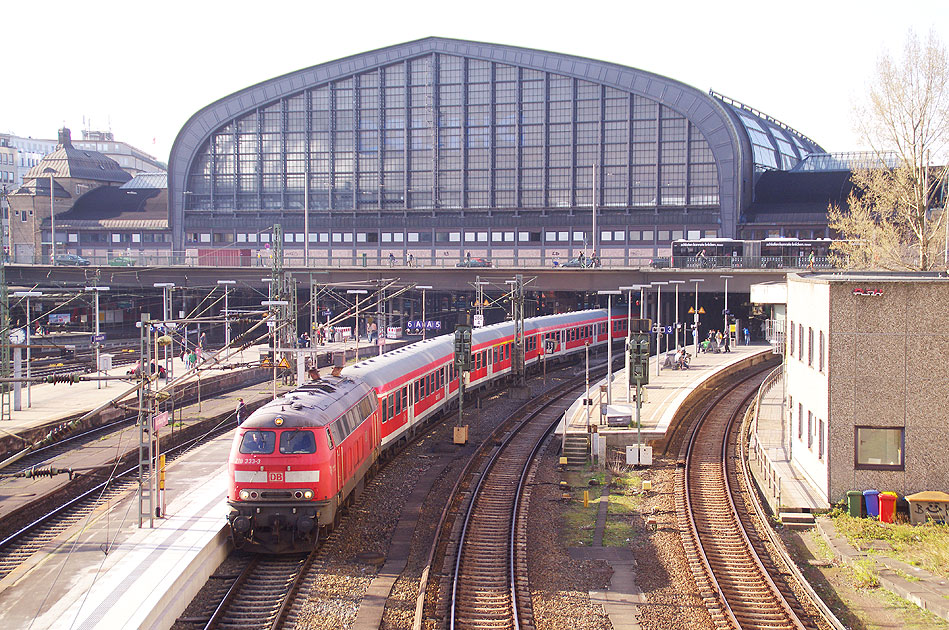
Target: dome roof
x=68 y=161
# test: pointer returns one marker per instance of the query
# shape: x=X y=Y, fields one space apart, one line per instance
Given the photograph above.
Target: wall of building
x=807 y=378
x=888 y=343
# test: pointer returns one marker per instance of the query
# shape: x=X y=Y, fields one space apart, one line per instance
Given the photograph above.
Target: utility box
x=642 y=458
x=461 y=434
x=928 y=506
x=105 y=362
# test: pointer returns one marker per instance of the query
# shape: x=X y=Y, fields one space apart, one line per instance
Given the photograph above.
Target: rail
x=565 y=260
x=769 y=472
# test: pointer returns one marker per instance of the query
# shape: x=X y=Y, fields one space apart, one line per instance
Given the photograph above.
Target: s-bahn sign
x=418 y=324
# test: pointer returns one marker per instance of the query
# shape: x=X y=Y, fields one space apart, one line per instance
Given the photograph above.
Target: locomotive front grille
x=270 y=494
x=276 y=495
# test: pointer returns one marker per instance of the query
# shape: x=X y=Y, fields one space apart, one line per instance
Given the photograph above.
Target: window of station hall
x=878 y=448
x=444 y=131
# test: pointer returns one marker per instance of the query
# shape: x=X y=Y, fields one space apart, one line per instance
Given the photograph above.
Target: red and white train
x=297 y=459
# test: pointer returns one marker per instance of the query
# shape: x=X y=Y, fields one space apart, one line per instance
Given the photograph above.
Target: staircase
x=576 y=449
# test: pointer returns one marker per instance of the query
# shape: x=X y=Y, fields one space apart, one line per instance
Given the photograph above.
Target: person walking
x=241 y=411
x=727 y=340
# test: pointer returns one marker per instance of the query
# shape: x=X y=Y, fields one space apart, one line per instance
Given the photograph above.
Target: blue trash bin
x=872 y=498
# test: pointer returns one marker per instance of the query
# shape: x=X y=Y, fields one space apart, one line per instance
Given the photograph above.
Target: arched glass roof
x=775 y=146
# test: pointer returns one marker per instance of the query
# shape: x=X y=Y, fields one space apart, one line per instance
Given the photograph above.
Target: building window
x=820 y=439
x=820 y=352
x=800 y=342
x=810 y=429
x=116 y=238
x=810 y=346
x=878 y=448
x=791 y=344
x=800 y=421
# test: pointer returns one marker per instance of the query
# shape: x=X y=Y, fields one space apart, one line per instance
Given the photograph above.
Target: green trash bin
x=855 y=503
x=364 y=261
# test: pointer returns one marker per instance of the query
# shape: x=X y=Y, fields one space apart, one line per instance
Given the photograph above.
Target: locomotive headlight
x=307 y=494
x=244 y=495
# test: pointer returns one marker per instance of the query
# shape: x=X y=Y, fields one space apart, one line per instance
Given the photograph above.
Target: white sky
x=142 y=69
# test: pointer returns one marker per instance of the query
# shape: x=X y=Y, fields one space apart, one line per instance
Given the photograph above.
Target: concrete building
x=71 y=172
x=132 y=160
x=437 y=148
x=29 y=152
x=867 y=388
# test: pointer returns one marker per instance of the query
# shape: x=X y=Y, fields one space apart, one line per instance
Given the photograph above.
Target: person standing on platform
x=747 y=334
x=241 y=411
x=727 y=340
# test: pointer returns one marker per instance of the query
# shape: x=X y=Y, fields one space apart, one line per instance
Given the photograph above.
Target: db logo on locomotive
x=274 y=476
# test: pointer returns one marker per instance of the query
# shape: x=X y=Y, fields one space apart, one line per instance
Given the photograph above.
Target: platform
x=664 y=395
x=108 y=573
x=785 y=488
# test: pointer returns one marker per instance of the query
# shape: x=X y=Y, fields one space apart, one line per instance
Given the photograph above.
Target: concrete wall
x=886 y=366
x=807 y=312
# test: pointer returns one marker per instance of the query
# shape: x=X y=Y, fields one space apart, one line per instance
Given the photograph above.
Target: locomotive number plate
x=274 y=476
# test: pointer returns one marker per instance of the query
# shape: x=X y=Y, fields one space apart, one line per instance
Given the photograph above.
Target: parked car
x=70 y=259
x=122 y=261
x=474 y=262
x=576 y=262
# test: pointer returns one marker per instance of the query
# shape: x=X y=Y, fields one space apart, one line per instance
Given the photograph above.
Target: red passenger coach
x=297 y=459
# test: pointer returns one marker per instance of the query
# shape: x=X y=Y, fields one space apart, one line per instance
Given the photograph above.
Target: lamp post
x=98 y=343
x=27 y=295
x=696 y=316
x=357 y=293
x=423 y=287
x=227 y=320
x=52 y=218
x=609 y=344
x=677 y=283
x=725 y=310
x=659 y=332
x=629 y=335
x=166 y=288
x=273 y=305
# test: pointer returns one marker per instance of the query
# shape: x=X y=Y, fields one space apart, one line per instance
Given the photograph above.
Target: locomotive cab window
x=258 y=442
x=297 y=441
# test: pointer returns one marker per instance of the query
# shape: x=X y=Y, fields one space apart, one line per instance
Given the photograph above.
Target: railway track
x=734 y=568
x=262 y=594
x=485 y=583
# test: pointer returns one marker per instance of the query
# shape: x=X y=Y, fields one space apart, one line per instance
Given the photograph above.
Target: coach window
x=258 y=442
x=878 y=448
x=297 y=441
x=405 y=397
x=398 y=402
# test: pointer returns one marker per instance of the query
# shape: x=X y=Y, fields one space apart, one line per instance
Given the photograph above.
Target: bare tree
x=891 y=221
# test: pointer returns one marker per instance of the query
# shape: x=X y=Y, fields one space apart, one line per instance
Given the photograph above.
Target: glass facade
x=442 y=131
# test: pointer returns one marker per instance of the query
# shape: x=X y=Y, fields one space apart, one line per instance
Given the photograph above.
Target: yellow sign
x=284 y=363
x=691 y=310
x=265 y=362
x=701 y=310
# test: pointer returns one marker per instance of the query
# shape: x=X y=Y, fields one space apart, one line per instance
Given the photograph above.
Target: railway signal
x=463 y=347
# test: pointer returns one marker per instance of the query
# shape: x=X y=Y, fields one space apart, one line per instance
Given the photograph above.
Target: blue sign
x=98 y=338
x=327 y=313
x=417 y=324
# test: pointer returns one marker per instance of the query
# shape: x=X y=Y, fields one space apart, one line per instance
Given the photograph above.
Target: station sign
x=98 y=338
x=160 y=420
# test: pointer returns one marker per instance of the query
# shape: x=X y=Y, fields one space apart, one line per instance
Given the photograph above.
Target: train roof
x=315 y=404
x=408 y=360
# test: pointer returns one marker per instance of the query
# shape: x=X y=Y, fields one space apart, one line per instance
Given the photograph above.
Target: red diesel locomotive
x=297 y=459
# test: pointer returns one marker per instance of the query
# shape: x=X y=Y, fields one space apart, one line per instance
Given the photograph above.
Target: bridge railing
x=375 y=259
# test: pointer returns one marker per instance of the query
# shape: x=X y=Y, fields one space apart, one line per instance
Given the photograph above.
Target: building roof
x=112 y=203
x=67 y=161
x=783 y=197
x=147 y=180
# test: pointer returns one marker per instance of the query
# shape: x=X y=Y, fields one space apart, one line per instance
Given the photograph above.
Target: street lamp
x=659 y=332
x=725 y=310
x=677 y=283
x=272 y=304
x=98 y=342
x=227 y=319
x=629 y=335
x=423 y=287
x=52 y=217
x=609 y=344
x=357 y=293
x=166 y=288
x=695 y=335
x=27 y=295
